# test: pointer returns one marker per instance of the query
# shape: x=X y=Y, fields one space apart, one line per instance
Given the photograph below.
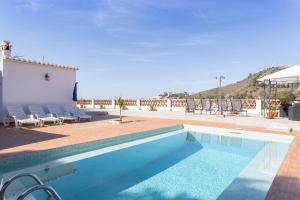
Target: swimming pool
x=190 y=163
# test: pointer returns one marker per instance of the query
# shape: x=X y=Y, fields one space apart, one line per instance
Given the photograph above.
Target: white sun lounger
x=79 y=113
x=57 y=112
x=39 y=113
x=191 y=105
x=207 y=106
x=19 y=116
x=237 y=106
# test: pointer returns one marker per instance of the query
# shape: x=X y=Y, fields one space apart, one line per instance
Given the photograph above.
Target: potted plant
x=121 y=103
x=81 y=103
x=272 y=112
x=270 y=115
x=152 y=107
x=187 y=109
x=276 y=113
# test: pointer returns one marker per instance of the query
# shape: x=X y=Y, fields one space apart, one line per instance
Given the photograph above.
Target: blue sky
x=140 y=48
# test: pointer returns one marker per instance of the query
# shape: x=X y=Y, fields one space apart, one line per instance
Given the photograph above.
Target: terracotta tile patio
x=17 y=141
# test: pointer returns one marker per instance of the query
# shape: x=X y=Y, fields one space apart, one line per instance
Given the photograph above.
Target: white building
x=24 y=81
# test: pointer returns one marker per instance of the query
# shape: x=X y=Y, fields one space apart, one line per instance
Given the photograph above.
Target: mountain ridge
x=245 y=88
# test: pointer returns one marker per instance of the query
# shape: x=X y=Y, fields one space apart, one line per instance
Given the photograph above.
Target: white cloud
x=123 y=12
x=198 y=40
x=203 y=39
x=33 y=5
x=110 y=13
x=139 y=59
x=133 y=56
x=235 y=62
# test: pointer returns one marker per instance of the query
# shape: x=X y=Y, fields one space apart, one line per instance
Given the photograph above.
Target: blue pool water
x=187 y=165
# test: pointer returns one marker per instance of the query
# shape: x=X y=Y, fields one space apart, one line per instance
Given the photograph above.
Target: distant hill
x=246 y=88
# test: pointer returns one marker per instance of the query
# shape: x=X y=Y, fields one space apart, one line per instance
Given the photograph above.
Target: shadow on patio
x=12 y=137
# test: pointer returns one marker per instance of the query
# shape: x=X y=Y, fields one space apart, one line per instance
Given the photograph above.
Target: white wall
x=24 y=83
x=1 y=88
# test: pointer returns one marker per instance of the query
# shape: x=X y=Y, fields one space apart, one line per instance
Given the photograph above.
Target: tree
x=286 y=96
x=121 y=103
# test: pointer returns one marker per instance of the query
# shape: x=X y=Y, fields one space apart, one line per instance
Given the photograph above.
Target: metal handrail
x=7 y=183
x=46 y=188
x=1 y=184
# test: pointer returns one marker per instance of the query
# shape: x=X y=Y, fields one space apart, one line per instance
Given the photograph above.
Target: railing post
x=138 y=104
x=258 y=105
x=169 y=104
x=93 y=103
x=113 y=103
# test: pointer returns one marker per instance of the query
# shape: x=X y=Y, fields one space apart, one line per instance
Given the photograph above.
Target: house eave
x=14 y=59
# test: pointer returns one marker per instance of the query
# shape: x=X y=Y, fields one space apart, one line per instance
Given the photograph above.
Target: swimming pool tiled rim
x=34 y=158
x=93 y=153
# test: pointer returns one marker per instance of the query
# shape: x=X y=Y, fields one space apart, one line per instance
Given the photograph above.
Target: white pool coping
x=261 y=136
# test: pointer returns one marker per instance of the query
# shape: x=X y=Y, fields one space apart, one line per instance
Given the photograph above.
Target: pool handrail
x=46 y=188
x=17 y=176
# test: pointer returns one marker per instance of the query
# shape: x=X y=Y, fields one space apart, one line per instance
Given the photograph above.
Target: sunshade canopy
x=288 y=75
x=75 y=92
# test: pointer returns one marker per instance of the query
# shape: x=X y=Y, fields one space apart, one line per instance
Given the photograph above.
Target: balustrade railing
x=272 y=102
x=154 y=102
x=176 y=104
x=130 y=102
x=181 y=103
x=83 y=102
x=102 y=102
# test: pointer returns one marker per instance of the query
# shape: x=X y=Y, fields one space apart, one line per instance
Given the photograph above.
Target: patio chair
x=39 y=113
x=76 y=112
x=224 y=106
x=19 y=116
x=191 y=105
x=237 y=106
x=63 y=116
x=206 y=106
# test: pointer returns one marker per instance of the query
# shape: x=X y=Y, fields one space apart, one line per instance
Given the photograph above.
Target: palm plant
x=121 y=103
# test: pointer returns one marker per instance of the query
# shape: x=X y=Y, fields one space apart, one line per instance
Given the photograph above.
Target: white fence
x=251 y=105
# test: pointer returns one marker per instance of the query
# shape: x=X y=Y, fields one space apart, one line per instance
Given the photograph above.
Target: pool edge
x=28 y=159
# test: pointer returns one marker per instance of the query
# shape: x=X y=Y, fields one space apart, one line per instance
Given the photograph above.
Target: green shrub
x=286 y=96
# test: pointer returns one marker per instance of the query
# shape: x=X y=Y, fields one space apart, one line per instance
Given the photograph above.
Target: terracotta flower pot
x=152 y=108
x=270 y=115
